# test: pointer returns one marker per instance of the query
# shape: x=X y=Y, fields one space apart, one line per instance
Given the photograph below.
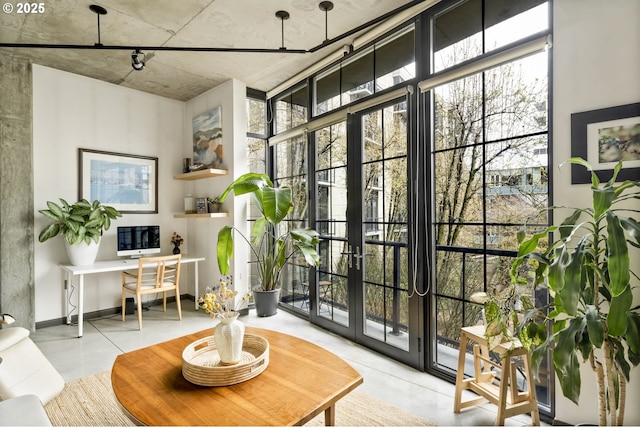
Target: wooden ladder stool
x=506 y=394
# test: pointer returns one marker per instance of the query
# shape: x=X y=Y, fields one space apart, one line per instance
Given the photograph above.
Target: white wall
x=72 y=112
x=596 y=64
x=203 y=233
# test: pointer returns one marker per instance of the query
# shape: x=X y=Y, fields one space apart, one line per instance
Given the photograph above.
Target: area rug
x=90 y=401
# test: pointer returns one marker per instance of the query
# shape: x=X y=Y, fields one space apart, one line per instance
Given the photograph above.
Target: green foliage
x=81 y=222
x=271 y=249
x=587 y=272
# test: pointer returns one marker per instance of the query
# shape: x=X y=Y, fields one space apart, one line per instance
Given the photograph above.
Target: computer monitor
x=138 y=240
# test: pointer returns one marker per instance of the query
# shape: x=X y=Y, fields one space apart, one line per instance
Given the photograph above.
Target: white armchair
x=24 y=369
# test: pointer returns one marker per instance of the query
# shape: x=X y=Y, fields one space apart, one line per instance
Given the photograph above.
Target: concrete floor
x=104 y=338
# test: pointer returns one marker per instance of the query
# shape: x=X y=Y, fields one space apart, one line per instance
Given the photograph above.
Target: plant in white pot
x=592 y=315
x=81 y=225
x=271 y=245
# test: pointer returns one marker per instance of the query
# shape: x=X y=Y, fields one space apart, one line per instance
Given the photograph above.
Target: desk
x=106 y=267
x=301 y=381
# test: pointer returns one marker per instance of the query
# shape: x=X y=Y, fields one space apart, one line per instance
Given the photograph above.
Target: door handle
x=348 y=253
x=358 y=256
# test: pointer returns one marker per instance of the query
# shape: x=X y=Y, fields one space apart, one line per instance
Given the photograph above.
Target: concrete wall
x=596 y=64
x=16 y=187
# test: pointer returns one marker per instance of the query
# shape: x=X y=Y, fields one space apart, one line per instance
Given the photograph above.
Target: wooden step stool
x=506 y=395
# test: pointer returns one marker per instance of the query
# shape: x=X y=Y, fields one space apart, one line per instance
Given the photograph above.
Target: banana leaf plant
x=592 y=315
x=272 y=245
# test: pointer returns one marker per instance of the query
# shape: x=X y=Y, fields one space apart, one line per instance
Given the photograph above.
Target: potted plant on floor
x=81 y=225
x=593 y=314
x=271 y=245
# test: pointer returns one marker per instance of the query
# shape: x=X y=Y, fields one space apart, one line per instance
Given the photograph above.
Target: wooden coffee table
x=301 y=381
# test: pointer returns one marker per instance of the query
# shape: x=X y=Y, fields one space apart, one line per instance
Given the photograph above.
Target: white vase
x=82 y=253
x=229 y=335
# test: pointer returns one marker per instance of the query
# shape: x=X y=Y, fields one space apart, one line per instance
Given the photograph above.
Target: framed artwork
x=127 y=182
x=603 y=138
x=207 y=139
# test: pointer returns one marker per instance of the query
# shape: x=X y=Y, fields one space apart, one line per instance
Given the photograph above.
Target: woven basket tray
x=201 y=362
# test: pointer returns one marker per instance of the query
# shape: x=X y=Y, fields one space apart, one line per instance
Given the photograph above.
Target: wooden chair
x=155 y=275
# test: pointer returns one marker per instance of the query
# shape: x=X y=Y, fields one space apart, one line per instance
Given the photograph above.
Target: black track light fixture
x=137 y=60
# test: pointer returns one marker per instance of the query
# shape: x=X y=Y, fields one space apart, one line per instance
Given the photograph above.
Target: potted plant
x=81 y=225
x=270 y=245
x=214 y=205
x=593 y=315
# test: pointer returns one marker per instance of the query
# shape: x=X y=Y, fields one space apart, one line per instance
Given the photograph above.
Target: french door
x=364 y=289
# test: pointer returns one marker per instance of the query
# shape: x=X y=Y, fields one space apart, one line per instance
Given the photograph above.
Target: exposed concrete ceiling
x=186 y=23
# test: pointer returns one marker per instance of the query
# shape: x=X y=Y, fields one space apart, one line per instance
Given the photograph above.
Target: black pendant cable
x=326 y=6
x=99 y=10
x=282 y=15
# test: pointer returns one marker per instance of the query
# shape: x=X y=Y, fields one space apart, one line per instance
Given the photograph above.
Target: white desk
x=105 y=267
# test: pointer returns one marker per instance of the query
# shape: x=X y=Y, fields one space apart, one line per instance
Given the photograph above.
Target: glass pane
x=357 y=77
x=448 y=320
x=395 y=130
x=397 y=318
x=283 y=116
x=395 y=197
x=395 y=59
x=374 y=264
x=458 y=116
x=332 y=146
x=516 y=100
x=291 y=109
x=457 y=35
x=323 y=143
x=374 y=311
x=458 y=186
x=256 y=153
x=293 y=278
x=449 y=273
x=299 y=106
x=256 y=116
x=290 y=157
x=338 y=144
x=332 y=195
x=372 y=137
x=333 y=299
x=327 y=90
x=506 y=22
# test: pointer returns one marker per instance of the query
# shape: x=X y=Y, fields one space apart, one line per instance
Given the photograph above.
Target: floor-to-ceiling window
x=488 y=138
x=392 y=276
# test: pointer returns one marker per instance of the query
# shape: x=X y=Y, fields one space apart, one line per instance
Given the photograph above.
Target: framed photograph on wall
x=603 y=138
x=127 y=182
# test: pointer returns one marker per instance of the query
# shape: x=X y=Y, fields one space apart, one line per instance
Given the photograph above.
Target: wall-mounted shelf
x=202 y=215
x=201 y=174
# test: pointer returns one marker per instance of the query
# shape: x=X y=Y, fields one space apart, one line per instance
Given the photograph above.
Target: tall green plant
x=592 y=315
x=270 y=247
x=83 y=221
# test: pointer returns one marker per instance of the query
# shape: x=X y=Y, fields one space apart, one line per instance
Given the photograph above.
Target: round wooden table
x=301 y=381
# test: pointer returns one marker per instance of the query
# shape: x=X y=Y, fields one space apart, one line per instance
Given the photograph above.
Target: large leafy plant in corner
x=593 y=316
x=82 y=221
x=272 y=246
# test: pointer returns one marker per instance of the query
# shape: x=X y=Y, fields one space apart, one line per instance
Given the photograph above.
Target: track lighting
x=137 y=60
